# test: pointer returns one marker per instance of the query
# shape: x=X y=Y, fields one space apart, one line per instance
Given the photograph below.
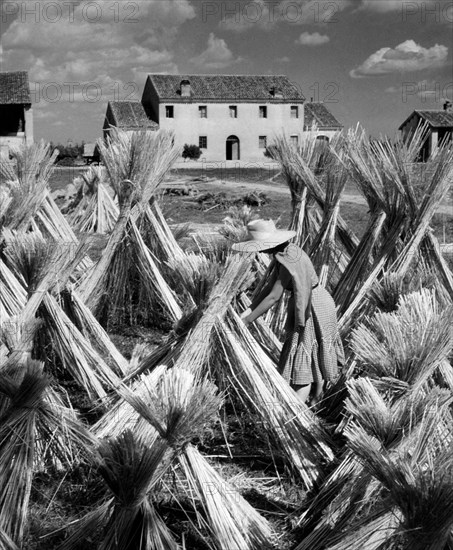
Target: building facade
x=16 y=114
x=229 y=117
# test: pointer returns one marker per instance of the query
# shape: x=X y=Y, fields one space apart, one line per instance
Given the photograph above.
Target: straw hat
x=262 y=234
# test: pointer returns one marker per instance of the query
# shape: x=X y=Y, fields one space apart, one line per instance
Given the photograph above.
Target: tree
x=67 y=154
x=192 y=152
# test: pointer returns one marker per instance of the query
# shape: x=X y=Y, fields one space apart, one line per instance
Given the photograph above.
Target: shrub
x=192 y=152
x=67 y=154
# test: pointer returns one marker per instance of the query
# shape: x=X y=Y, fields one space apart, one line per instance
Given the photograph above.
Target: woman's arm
x=267 y=287
x=272 y=298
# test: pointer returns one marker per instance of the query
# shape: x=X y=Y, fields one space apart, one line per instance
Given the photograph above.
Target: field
x=134 y=397
x=230 y=186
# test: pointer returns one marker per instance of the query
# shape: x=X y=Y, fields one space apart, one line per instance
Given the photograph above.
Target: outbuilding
x=439 y=124
x=16 y=114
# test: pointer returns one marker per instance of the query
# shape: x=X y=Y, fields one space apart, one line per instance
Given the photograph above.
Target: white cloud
x=217 y=55
x=95 y=52
x=406 y=57
x=313 y=39
x=103 y=41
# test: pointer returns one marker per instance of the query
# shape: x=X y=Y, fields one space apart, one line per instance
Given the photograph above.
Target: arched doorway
x=232 y=148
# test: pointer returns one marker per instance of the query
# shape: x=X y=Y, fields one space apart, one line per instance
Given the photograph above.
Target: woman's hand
x=246 y=313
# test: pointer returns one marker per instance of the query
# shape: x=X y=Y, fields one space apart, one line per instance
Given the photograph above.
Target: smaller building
x=128 y=116
x=439 y=123
x=16 y=114
x=319 y=118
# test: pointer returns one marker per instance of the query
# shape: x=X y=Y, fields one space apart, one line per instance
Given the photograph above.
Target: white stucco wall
x=433 y=139
x=323 y=133
x=6 y=142
x=218 y=125
x=28 y=115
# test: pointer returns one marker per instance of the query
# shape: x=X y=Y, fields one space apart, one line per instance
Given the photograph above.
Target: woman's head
x=263 y=236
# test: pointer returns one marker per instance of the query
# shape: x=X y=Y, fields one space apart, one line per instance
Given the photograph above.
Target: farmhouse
x=439 y=122
x=318 y=117
x=128 y=116
x=16 y=115
x=229 y=117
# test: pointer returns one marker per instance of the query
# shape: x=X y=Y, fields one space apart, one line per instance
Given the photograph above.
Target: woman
x=312 y=352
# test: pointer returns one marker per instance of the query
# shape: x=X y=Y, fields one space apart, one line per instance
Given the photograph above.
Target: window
x=203 y=142
x=263 y=111
x=262 y=142
x=203 y=110
x=294 y=111
x=233 y=111
x=295 y=140
x=169 y=111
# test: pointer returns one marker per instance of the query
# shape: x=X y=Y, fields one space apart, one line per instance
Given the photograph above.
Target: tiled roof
x=130 y=115
x=226 y=87
x=318 y=114
x=14 y=88
x=437 y=118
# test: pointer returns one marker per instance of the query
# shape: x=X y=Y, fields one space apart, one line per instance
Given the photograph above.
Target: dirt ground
x=185 y=188
x=237 y=185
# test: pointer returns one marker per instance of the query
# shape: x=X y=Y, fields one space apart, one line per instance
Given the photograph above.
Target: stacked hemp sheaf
x=374 y=459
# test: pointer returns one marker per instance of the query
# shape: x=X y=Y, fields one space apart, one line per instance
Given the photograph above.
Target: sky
x=371 y=61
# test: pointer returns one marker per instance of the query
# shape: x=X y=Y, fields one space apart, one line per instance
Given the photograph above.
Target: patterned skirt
x=313 y=353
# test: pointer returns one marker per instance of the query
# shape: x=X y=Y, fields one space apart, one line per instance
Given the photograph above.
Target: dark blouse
x=297 y=275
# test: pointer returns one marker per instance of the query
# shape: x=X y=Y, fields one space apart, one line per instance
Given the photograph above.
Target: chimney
x=185 y=88
x=277 y=92
x=448 y=106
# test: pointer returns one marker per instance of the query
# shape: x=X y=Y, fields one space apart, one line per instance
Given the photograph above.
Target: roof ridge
x=232 y=86
x=13 y=72
x=203 y=74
